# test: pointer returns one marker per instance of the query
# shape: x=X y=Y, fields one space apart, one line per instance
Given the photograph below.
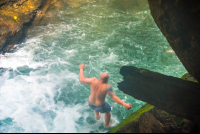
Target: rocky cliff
x=18 y=17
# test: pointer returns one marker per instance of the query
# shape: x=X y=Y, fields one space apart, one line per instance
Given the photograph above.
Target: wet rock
x=157 y=121
x=16 y=16
x=131 y=123
x=19 y=17
x=149 y=124
x=132 y=127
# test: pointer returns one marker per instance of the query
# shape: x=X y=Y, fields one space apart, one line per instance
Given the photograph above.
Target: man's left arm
x=83 y=79
x=112 y=95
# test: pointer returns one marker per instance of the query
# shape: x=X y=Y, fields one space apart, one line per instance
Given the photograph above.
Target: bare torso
x=98 y=92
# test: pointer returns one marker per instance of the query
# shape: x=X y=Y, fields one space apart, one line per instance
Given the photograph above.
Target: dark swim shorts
x=102 y=109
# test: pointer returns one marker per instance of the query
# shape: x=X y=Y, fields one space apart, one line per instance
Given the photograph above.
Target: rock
x=189 y=126
x=16 y=16
x=44 y=13
x=19 y=17
x=155 y=120
x=132 y=127
x=149 y=124
x=179 y=22
x=160 y=115
x=173 y=95
x=152 y=119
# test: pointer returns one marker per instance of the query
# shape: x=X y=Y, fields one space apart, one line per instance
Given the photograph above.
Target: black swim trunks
x=102 y=109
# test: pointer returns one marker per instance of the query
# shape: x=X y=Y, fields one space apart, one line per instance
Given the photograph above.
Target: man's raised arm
x=112 y=95
x=83 y=79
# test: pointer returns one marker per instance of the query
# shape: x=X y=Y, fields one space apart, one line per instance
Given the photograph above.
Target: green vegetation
x=142 y=71
x=189 y=78
x=132 y=117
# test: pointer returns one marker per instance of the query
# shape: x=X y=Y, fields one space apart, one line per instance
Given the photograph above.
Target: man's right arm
x=83 y=79
x=112 y=95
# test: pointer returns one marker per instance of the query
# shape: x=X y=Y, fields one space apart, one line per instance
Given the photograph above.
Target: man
x=99 y=90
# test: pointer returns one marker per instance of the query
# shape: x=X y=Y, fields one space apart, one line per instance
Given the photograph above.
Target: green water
x=39 y=85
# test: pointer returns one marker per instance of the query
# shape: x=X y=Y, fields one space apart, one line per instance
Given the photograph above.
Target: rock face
x=179 y=22
x=155 y=121
x=149 y=124
x=174 y=95
x=18 y=18
x=15 y=17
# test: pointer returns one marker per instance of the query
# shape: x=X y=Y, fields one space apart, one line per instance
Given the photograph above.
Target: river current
x=40 y=89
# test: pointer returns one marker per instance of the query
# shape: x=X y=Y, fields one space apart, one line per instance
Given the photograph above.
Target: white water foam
x=29 y=100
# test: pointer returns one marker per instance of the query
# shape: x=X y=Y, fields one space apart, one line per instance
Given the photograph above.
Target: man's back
x=99 y=89
x=98 y=92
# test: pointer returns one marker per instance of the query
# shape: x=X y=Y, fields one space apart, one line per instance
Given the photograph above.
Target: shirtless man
x=99 y=90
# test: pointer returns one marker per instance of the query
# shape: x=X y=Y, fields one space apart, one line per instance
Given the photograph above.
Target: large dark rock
x=179 y=22
x=174 y=95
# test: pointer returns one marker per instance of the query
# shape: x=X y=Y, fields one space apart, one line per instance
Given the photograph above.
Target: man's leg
x=97 y=115
x=107 y=119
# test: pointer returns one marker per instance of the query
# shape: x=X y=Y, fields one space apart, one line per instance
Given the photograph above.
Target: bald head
x=104 y=77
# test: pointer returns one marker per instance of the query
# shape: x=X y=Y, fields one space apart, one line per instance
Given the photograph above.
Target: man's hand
x=81 y=66
x=128 y=106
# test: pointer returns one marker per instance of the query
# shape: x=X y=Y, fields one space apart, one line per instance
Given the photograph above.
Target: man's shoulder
x=94 y=78
x=108 y=87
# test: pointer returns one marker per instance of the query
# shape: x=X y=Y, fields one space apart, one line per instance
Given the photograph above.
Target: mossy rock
x=132 y=117
x=188 y=77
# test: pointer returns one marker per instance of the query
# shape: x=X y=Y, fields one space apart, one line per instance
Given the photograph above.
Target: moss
x=184 y=76
x=142 y=71
x=188 y=77
x=132 y=117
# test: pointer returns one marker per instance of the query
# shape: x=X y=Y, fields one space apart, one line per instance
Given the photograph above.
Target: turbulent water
x=39 y=82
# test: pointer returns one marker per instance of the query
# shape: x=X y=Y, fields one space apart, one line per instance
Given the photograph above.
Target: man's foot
x=110 y=124
x=98 y=116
